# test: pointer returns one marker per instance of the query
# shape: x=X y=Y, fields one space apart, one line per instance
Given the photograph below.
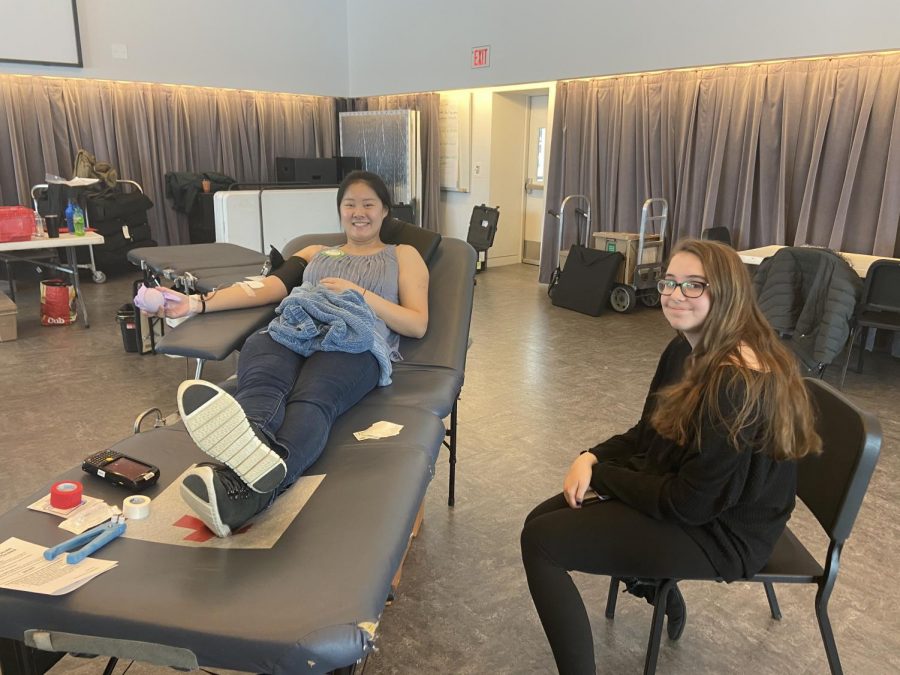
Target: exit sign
x=481 y=57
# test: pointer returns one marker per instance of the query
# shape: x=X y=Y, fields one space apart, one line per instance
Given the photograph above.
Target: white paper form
x=378 y=430
x=23 y=568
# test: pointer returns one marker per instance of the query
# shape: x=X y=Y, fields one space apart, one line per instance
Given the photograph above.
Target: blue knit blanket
x=312 y=319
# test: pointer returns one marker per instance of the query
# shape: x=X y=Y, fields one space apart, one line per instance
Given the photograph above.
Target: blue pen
x=93 y=540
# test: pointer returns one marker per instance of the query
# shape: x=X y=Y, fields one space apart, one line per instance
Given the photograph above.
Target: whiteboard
x=455 y=130
x=286 y=214
x=40 y=31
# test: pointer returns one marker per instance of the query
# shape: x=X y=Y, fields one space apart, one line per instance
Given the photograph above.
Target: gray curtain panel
x=429 y=107
x=797 y=152
x=146 y=130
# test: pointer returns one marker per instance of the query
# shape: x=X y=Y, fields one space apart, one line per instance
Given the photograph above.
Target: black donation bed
x=311 y=603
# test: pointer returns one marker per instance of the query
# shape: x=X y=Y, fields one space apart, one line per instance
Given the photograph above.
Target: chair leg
x=659 y=614
x=612 y=597
x=850 y=342
x=834 y=661
x=773 y=601
x=863 y=338
x=822 y=596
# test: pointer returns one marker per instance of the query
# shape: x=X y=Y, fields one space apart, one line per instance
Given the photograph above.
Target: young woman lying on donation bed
x=703 y=485
x=289 y=389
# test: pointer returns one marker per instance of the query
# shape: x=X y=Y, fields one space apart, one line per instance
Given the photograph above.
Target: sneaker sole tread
x=220 y=428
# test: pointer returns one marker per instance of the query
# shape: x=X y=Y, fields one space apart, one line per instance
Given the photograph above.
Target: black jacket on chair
x=810 y=294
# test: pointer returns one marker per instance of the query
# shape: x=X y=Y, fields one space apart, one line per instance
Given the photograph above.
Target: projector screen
x=40 y=31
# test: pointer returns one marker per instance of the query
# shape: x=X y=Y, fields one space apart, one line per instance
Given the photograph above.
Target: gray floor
x=542 y=384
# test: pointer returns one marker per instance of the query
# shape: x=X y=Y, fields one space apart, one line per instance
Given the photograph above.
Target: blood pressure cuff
x=290 y=272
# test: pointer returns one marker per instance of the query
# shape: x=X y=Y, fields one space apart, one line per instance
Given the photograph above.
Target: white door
x=534 y=186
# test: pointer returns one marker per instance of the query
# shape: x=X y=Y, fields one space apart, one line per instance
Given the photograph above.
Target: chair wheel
x=99 y=277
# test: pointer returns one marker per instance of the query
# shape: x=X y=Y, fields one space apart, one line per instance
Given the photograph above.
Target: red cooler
x=16 y=223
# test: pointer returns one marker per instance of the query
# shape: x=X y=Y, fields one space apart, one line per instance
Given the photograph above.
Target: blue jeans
x=294 y=400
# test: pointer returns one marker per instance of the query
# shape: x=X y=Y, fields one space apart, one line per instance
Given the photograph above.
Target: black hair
x=373 y=180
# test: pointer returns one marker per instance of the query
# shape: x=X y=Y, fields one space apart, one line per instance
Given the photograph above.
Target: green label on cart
x=610 y=245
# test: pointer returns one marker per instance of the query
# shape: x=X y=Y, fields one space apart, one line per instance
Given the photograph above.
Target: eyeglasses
x=689 y=289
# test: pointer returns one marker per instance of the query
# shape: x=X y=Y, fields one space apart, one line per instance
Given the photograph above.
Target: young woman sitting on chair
x=703 y=485
x=278 y=422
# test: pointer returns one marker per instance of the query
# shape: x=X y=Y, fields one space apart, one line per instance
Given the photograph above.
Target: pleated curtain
x=428 y=105
x=797 y=152
x=146 y=130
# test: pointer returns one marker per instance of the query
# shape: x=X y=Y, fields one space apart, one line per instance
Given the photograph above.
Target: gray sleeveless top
x=378 y=273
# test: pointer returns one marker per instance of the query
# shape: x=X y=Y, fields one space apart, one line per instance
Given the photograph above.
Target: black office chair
x=722 y=234
x=832 y=485
x=880 y=307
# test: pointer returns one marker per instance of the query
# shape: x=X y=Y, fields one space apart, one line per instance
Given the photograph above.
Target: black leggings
x=607 y=538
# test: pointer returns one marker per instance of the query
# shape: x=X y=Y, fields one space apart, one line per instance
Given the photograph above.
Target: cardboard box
x=8 y=313
x=626 y=243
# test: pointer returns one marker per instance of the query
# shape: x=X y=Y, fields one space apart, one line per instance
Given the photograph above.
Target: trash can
x=57 y=303
x=127 y=318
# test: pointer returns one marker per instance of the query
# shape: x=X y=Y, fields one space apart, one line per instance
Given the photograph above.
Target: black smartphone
x=591 y=496
x=119 y=469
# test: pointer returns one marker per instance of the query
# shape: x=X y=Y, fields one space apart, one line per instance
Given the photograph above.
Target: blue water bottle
x=70 y=217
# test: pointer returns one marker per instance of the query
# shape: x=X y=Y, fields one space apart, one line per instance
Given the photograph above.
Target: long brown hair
x=775 y=399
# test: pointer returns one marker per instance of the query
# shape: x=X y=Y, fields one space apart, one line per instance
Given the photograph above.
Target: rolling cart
x=583 y=285
x=644 y=258
x=561 y=217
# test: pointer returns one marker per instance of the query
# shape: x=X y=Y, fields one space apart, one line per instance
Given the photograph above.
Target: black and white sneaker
x=220 y=428
x=676 y=614
x=220 y=498
x=676 y=609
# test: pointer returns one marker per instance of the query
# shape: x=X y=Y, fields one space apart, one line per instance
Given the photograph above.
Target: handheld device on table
x=119 y=469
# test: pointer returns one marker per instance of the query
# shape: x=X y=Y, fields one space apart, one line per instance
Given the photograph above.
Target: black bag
x=586 y=281
x=482 y=227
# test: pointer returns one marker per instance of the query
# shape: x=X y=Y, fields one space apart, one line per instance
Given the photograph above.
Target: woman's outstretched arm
x=269 y=290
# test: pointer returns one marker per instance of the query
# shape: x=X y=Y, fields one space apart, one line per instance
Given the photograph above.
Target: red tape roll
x=65 y=494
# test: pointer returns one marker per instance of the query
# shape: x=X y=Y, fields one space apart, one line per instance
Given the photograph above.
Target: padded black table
x=312 y=603
x=309 y=605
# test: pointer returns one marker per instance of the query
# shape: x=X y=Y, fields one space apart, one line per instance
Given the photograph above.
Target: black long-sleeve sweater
x=733 y=503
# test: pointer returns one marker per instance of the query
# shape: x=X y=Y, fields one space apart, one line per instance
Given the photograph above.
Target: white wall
x=456 y=207
x=487 y=186
x=410 y=45
x=370 y=47
x=296 y=46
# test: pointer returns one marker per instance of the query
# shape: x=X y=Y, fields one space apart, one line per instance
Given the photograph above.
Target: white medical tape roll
x=136 y=507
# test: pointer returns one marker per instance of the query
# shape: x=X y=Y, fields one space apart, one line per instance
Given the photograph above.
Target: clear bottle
x=70 y=214
x=39 y=230
x=78 y=221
